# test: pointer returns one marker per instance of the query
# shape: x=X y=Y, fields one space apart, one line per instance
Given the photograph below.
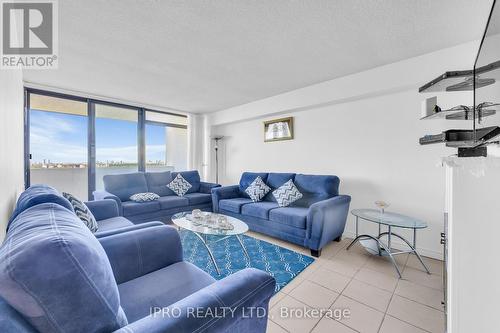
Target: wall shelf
x=463 y=112
x=462 y=138
x=463 y=80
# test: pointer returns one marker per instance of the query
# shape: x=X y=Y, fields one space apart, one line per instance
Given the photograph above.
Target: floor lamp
x=217 y=138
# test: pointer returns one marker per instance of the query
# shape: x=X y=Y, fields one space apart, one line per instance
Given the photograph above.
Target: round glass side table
x=391 y=220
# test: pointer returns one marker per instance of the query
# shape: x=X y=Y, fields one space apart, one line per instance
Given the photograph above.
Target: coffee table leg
x=379 y=232
x=380 y=245
x=203 y=240
x=394 y=263
x=355 y=240
x=413 y=248
x=243 y=246
x=389 y=241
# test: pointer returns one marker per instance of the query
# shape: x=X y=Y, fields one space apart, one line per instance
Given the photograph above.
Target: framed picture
x=278 y=129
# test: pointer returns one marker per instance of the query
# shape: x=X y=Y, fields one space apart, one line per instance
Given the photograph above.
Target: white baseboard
x=399 y=245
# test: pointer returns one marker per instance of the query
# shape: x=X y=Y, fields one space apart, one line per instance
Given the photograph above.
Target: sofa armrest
x=103 y=209
x=326 y=220
x=241 y=296
x=101 y=195
x=206 y=187
x=224 y=192
x=100 y=234
x=141 y=251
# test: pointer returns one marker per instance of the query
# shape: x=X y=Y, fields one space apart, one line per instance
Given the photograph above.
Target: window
x=58 y=143
x=72 y=142
x=166 y=142
x=115 y=141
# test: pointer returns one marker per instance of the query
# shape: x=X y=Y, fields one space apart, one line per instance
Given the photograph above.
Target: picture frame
x=278 y=129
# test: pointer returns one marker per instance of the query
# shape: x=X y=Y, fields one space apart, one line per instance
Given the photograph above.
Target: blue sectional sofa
x=121 y=187
x=55 y=276
x=314 y=220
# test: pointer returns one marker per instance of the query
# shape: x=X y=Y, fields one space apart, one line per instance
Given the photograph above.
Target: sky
x=62 y=138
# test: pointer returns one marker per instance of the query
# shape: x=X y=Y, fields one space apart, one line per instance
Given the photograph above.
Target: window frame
x=157 y=123
x=91 y=131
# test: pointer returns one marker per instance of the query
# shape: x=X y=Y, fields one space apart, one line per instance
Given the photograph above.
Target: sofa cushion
x=134 y=208
x=157 y=182
x=287 y=194
x=124 y=185
x=259 y=209
x=12 y=321
x=315 y=188
x=82 y=211
x=257 y=190
x=161 y=288
x=192 y=177
x=247 y=178
x=37 y=194
x=144 y=197
x=113 y=223
x=179 y=185
x=292 y=216
x=173 y=201
x=50 y=265
x=233 y=205
x=198 y=198
x=275 y=180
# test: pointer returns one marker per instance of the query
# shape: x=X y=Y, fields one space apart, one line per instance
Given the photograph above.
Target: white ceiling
x=202 y=56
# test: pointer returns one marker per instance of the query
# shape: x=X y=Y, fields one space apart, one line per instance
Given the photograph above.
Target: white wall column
x=11 y=142
x=198 y=145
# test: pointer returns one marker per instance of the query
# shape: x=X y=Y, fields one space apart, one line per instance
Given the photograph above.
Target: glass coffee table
x=202 y=231
x=390 y=220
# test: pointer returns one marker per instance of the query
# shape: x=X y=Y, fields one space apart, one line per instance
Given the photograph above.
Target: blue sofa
x=109 y=220
x=55 y=276
x=314 y=220
x=121 y=187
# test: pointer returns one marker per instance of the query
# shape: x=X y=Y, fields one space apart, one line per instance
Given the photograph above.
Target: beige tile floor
x=378 y=301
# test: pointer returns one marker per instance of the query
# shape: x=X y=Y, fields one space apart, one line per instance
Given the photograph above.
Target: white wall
x=11 y=143
x=473 y=289
x=363 y=128
x=176 y=147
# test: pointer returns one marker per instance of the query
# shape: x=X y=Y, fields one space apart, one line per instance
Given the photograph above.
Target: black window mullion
x=91 y=133
x=91 y=148
x=141 y=140
x=27 y=152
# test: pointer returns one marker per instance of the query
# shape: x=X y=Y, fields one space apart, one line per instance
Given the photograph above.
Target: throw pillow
x=286 y=194
x=179 y=185
x=257 y=190
x=82 y=211
x=144 y=197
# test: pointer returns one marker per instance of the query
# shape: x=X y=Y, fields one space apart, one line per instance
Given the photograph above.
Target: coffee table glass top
x=180 y=220
x=388 y=218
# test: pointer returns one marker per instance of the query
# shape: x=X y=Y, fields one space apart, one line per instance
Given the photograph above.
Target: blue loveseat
x=121 y=187
x=314 y=220
x=55 y=276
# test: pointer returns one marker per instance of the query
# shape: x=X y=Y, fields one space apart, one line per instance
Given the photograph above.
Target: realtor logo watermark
x=29 y=34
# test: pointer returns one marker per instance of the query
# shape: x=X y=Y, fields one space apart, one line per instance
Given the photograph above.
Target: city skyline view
x=62 y=139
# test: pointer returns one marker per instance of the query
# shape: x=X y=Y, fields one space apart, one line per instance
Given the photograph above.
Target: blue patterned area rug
x=281 y=263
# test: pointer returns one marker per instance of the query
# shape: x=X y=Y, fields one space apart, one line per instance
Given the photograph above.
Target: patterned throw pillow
x=179 y=185
x=82 y=211
x=257 y=189
x=144 y=197
x=286 y=194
